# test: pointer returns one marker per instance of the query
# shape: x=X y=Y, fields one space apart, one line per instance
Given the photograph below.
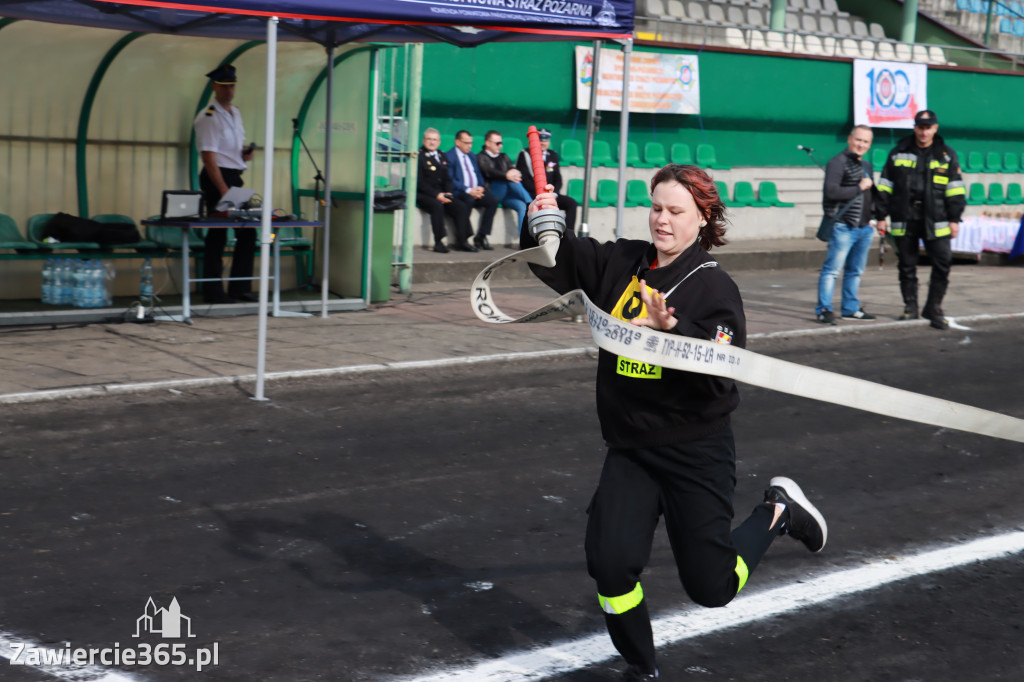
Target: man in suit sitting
x=469 y=186
x=435 y=194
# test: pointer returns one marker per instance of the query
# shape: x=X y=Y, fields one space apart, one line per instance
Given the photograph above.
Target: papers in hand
x=234 y=198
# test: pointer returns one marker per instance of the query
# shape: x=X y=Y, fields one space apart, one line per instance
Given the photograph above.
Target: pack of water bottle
x=77 y=282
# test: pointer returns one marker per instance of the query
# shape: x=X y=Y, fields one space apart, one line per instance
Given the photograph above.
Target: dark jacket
x=551 y=169
x=458 y=175
x=432 y=178
x=635 y=408
x=842 y=177
x=943 y=193
x=494 y=169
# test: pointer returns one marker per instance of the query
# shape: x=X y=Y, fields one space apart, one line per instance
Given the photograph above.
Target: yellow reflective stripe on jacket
x=885 y=185
x=942 y=229
x=742 y=572
x=898 y=229
x=937 y=164
x=940 y=179
x=908 y=160
x=956 y=188
x=622 y=603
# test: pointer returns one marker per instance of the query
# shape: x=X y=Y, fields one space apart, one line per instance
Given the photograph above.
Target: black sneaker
x=859 y=315
x=826 y=317
x=636 y=674
x=936 y=318
x=805 y=522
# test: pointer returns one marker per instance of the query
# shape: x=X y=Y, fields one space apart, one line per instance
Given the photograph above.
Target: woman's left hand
x=659 y=314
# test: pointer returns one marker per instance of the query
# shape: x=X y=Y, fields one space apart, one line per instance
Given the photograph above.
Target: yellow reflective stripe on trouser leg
x=742 y=572
x=622 y=603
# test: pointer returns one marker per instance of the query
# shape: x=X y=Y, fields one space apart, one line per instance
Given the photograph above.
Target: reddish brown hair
x=705 y=194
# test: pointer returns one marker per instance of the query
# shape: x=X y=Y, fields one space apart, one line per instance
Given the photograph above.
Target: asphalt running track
x=427 y=525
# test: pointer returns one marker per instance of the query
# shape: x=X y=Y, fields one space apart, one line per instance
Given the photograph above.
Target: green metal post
x=988 y=23
x=412 y=166
x=909 y=32
x=778 y=20
x=86 y=113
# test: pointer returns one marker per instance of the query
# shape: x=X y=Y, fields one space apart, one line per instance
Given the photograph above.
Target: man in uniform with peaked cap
x=220 y=140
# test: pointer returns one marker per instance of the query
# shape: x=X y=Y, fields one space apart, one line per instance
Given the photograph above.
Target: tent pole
x=620 y=211
x=268 y=206
x=371 y=144
x=328 y=199
x=415 y=71
x=593 y=118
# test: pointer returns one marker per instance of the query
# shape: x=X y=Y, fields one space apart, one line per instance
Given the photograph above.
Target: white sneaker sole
x=794 y=493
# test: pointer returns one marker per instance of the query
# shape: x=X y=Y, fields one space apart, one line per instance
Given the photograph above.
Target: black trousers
x=568 y=204
x=216 y=239
x=690 y=484
x=459 y=212
x=940 y=252
x=487 y=204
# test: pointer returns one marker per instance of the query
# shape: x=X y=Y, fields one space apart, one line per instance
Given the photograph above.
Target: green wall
x=755 y=108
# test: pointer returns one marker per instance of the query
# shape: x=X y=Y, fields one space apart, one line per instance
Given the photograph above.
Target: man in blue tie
x=469 y=186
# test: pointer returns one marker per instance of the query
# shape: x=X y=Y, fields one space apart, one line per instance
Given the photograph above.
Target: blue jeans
x=511 y=195
x=848 y=249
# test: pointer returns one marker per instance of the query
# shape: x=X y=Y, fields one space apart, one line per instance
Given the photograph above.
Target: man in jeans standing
x=847 y=181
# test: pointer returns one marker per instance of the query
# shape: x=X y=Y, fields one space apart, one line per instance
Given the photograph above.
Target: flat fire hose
x=644 y=344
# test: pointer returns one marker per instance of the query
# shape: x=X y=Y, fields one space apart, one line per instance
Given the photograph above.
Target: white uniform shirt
x=221 y=132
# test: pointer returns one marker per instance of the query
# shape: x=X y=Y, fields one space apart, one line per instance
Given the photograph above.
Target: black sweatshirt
x=635 y=408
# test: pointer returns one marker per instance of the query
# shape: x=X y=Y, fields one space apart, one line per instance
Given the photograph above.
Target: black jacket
x=432 y=178
x=677 y=406
x=943 y=195
x=842 y=177
x=551 y=169
x=494 y=169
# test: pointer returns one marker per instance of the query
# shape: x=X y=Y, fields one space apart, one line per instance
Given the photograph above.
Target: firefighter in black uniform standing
x=669 y=435
x=922 y=191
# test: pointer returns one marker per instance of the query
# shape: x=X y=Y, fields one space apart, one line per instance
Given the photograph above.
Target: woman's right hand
x=544 y=201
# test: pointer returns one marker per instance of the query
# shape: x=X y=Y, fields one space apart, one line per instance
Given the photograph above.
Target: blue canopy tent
x=331 y=23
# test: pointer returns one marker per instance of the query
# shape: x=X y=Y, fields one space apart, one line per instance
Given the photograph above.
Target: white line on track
x=695 y=622
x=143 y=387
x=10 y=644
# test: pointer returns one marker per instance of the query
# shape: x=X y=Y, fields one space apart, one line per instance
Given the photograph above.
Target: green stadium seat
x=1013 y=194
x=878 y=157
x=571 y=153
x=607 y=194
x=10 y=236
x=723 y=193
x=574 y=190
x=654 y=155
x=680 y=153
x=708 y=158
x=116 y=219
x=632 y=155
x=993 y=163
x=768 y=193
x=636 y=193
x=996 y=194
x=602 y=155
x=975 y=163
x=976 y=194
x=1011 y=162
x=36 y=227
x=743 y=195
x=512 y=147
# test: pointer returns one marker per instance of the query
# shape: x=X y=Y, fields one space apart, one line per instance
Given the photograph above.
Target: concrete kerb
x=240 y=379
